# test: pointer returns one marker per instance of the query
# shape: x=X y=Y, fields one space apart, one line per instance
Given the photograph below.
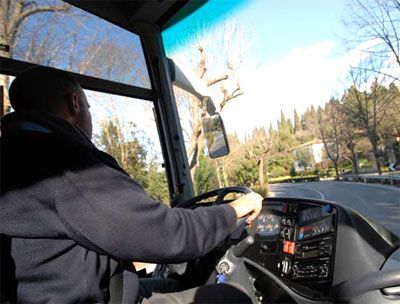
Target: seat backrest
x=8 y=283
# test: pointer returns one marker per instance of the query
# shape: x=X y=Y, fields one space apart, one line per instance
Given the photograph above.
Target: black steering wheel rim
x=219 y=193
x=224 y=191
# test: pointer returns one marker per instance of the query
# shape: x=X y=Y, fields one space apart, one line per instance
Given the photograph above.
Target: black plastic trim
x=277 y=280
x=13 y=67
x=370 y=282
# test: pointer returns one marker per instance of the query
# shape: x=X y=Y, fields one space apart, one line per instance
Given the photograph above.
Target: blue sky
x=296 y=58
x=280 y=25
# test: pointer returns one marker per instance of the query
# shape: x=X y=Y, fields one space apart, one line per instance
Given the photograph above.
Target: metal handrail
x=381 y=179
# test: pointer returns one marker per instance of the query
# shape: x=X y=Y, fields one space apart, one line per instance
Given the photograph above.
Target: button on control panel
x=295 y=240
x=307 y=242
x=316 y=270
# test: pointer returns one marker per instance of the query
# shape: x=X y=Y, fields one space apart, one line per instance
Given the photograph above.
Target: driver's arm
x=105 y=210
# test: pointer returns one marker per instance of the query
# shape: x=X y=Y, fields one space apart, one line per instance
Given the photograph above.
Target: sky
x=296 y=57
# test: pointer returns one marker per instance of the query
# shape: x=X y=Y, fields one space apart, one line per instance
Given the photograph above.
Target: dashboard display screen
x=268 y=223
x=310 y=214
x=314 y=229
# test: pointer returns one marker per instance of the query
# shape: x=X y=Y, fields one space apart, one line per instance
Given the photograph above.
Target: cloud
x=305 y=76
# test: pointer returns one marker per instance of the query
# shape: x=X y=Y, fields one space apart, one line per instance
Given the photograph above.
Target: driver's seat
x=8 y=283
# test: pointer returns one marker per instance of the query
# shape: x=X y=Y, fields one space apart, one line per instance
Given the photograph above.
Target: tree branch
x=230 y=97
x=216 y=80
x=202 y=64
x=33 y=10
x=375 y=71
x=48 y=8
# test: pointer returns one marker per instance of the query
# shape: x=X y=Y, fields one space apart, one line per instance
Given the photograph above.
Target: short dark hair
x=41 y=88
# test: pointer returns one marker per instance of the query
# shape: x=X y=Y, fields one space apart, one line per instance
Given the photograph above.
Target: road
x=381 y=203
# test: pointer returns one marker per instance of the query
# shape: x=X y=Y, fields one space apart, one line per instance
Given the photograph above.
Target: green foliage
x=293 y=171
x=291 y=127
x=304 y=157
x=283 y=125
x=291 y=179
x=156 y=183
x=123 y=142
x=297 y=122
x=279 y=168
x=246 y=174
x=205 y=176
x=309 y=124
x=374 y=111
x=262 y=190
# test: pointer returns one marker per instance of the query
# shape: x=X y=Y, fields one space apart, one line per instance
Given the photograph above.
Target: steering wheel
x=220 y=194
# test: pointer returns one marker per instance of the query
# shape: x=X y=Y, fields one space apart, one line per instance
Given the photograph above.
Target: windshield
x=309 y=93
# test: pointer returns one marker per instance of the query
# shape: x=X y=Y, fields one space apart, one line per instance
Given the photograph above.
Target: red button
x=285 y=246
x=291 y=247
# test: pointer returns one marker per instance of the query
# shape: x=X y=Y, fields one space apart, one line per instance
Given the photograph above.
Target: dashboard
x=306 y=250
x=296 y=242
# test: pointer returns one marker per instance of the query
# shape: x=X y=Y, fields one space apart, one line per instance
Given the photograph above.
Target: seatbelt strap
x=116 y=287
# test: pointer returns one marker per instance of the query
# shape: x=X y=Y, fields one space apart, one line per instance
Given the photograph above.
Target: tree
x=113 y=60
x=220 y=76
x=245 y=171
x=120 y=140
x=156 y=184
x=368 y=107
x=205 y=176
x=389 y=129
x=262 y=148
x=330 y=128
x=351 y=135
x=297 y=122
x=283 y=124
x=304 y=157
x=124 y=141
x=231 y=163
x=375 y=24
x=309 y=124
x=13 y=14
x=290 y=125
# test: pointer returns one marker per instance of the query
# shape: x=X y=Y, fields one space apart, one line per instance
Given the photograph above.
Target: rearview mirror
x=215 y=135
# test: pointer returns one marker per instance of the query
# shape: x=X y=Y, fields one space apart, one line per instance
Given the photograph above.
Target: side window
x=126 y=128
x=5 y=81
x=54 y=33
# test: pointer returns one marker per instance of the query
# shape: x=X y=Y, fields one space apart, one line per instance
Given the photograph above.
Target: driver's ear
x=73 y=103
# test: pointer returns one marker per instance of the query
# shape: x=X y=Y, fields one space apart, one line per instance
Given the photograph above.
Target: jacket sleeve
x=105 y=209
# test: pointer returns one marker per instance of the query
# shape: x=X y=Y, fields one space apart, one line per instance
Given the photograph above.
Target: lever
x=240 y=248
x=232 y=257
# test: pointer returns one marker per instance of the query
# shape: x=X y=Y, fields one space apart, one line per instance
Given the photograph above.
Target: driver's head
x=49 y=90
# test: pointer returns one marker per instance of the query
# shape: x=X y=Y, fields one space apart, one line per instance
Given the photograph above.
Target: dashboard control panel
x=295 y=240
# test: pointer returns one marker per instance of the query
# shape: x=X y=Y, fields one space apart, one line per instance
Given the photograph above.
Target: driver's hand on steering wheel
x=248 y=205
